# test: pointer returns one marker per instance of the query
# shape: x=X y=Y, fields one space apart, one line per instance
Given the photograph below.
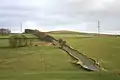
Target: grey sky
x=45 y=15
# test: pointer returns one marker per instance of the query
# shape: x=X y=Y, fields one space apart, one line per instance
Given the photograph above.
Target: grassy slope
x=49 y=63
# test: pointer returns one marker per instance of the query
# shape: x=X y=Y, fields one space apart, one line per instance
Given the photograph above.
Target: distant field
x=4 y=40
x=50 y=63
x=27 y=35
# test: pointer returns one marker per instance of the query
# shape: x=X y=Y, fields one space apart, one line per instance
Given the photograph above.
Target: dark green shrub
x=18 y=41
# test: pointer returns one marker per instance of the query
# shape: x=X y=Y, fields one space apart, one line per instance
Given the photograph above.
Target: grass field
x=50 y=63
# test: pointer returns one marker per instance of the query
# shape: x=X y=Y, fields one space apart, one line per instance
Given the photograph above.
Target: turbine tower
x=21 y=27
x=98 y=27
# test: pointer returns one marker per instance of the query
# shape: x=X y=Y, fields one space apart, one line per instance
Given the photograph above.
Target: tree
x=4 y=31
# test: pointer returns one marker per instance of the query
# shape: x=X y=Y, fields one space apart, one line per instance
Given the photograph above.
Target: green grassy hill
x=50 y=63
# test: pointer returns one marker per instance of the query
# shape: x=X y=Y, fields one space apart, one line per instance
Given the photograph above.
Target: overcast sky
x=46 y=15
